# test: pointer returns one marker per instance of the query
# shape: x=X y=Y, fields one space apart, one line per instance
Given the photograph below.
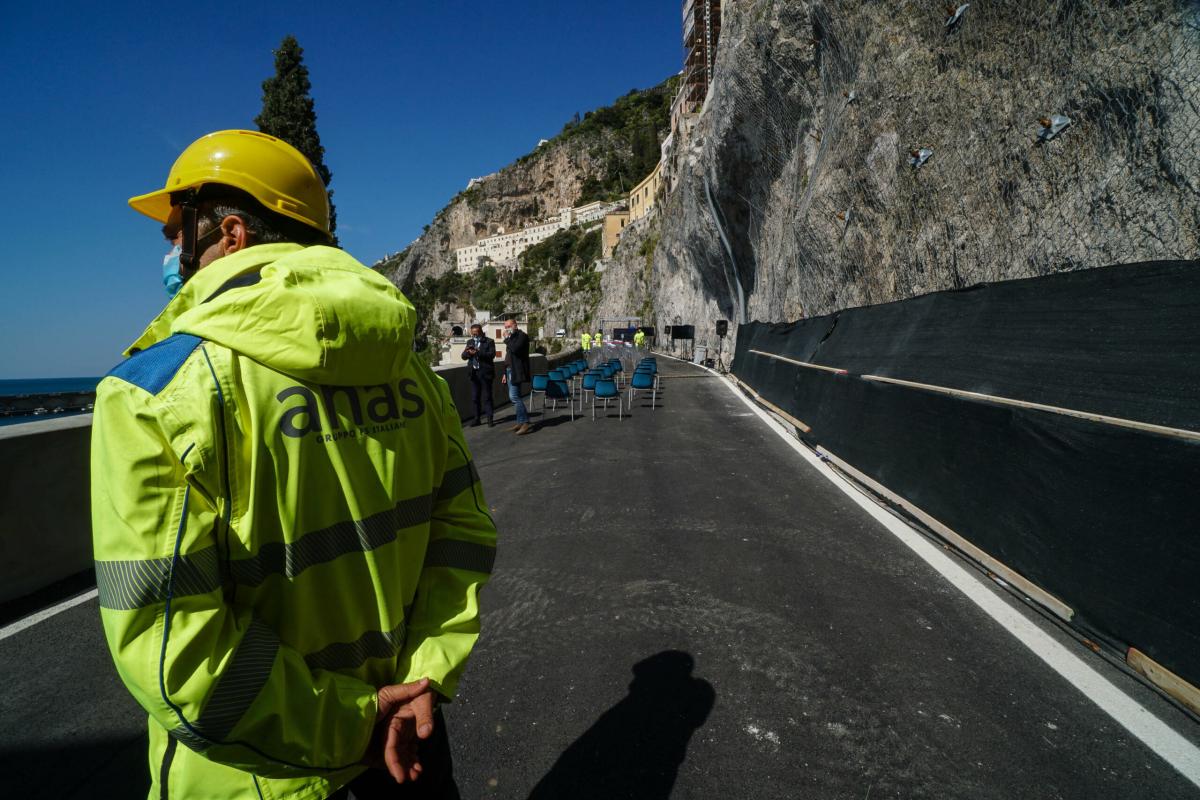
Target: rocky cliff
x=854 y=153
x=529 y=190
x=601 y=156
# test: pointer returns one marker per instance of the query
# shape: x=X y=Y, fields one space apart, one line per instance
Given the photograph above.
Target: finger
x=397 y=753
x=391 y=756
x=391 y=696
x=407 y=691
x=423 y=710
x=414 y=771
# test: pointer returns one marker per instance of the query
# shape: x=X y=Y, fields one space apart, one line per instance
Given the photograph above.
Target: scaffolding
x=701 y=31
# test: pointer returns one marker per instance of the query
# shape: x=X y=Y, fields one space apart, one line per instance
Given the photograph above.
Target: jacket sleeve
x=444 y=622
x=207 y=671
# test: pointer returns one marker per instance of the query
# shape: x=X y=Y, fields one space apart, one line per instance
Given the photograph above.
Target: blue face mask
x=172 y=280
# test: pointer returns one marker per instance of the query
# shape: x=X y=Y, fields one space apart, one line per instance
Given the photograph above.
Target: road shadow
x=78 y=769
x=636 y=747
x=550 y=422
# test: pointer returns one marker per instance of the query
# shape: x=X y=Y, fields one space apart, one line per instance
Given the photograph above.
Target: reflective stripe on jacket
x=285 y=518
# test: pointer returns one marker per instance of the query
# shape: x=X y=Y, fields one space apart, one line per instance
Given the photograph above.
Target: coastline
x=47 y=398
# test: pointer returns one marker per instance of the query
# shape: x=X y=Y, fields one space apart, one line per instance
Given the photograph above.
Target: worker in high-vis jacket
x=639 y=338
x=290 y=535
x=585 y=341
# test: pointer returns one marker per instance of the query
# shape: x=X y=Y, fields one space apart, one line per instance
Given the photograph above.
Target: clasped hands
x=404 y=719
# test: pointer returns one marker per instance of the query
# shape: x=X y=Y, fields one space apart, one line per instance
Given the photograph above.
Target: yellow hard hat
x=270 y=170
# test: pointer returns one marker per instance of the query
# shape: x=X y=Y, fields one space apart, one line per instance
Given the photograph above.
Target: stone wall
x=797 y=196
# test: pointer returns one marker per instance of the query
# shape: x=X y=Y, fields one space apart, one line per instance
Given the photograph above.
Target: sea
x=25 y=386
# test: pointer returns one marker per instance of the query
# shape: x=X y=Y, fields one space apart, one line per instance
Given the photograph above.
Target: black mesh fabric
x=1097 y=514
x=1121 y=341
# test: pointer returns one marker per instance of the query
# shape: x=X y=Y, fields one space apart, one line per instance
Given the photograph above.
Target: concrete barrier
x=45 y=515
x=45 y=486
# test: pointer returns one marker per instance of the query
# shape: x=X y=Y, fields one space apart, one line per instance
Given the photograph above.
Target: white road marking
x=1131 y=715
x=45 y=614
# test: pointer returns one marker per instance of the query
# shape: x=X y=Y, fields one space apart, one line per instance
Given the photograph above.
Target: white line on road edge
x=45 y=613
x=1135 y=718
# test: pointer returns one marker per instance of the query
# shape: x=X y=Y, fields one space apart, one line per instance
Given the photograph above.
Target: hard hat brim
x=156 y=205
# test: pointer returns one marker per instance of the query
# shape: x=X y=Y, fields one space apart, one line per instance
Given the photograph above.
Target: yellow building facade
x=645 y=194
x=614 y=224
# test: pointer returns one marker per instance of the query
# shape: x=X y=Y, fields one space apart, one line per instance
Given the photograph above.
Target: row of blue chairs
x=602 y=382
x=645 y=376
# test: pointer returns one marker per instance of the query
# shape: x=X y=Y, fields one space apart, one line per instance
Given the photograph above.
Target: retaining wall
x=45 y=514
x=45 y=527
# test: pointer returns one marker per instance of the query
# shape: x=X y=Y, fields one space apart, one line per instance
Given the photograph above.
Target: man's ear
x=235 y=235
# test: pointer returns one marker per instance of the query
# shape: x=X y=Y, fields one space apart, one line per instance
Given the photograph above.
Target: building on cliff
x=701 y=32
x=645 y=194
x=614 y=222
x=503 y=249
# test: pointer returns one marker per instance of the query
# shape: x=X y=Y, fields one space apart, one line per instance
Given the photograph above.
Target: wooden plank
x=768 y=404
x=1164 y=679
x=992 y=565
x=805 y=364
x=1180 y=433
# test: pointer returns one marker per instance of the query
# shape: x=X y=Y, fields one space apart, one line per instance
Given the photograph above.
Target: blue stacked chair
x=588 y=385
x=643 y=379
x=538 y=387
x=552 y=376
x=606 y=389
x=560 y=390
x=617 y=369
x=573 y=372
x=650 y=366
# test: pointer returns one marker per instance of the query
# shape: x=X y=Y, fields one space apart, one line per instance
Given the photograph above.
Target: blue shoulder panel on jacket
x=152 y=368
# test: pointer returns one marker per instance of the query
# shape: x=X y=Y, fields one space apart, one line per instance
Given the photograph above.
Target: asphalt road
x=681 y=607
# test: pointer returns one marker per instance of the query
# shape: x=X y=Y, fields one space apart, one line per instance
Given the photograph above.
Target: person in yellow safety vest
x=289 y=532
x=598 y=339
x=586 y=341
x=639 y=338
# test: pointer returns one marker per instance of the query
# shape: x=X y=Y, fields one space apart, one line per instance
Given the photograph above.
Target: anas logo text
x=379 y=404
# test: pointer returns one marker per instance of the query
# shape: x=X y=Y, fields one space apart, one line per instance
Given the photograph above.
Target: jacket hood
x=314 y=313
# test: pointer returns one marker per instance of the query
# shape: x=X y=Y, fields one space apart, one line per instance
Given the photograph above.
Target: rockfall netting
x=855 y=153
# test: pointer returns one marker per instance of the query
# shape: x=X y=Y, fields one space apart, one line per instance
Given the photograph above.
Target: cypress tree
x=288 y=112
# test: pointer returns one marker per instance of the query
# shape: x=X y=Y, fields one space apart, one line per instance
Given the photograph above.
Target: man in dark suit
x=480 y=354
x=516 y=372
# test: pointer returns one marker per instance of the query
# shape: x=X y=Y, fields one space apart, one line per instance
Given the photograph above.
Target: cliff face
x=599 y=157
x=797 y=196
x=520 y=194
x=796 y=191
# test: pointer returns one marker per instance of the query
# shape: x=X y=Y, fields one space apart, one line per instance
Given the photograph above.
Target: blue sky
x=412 y=98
